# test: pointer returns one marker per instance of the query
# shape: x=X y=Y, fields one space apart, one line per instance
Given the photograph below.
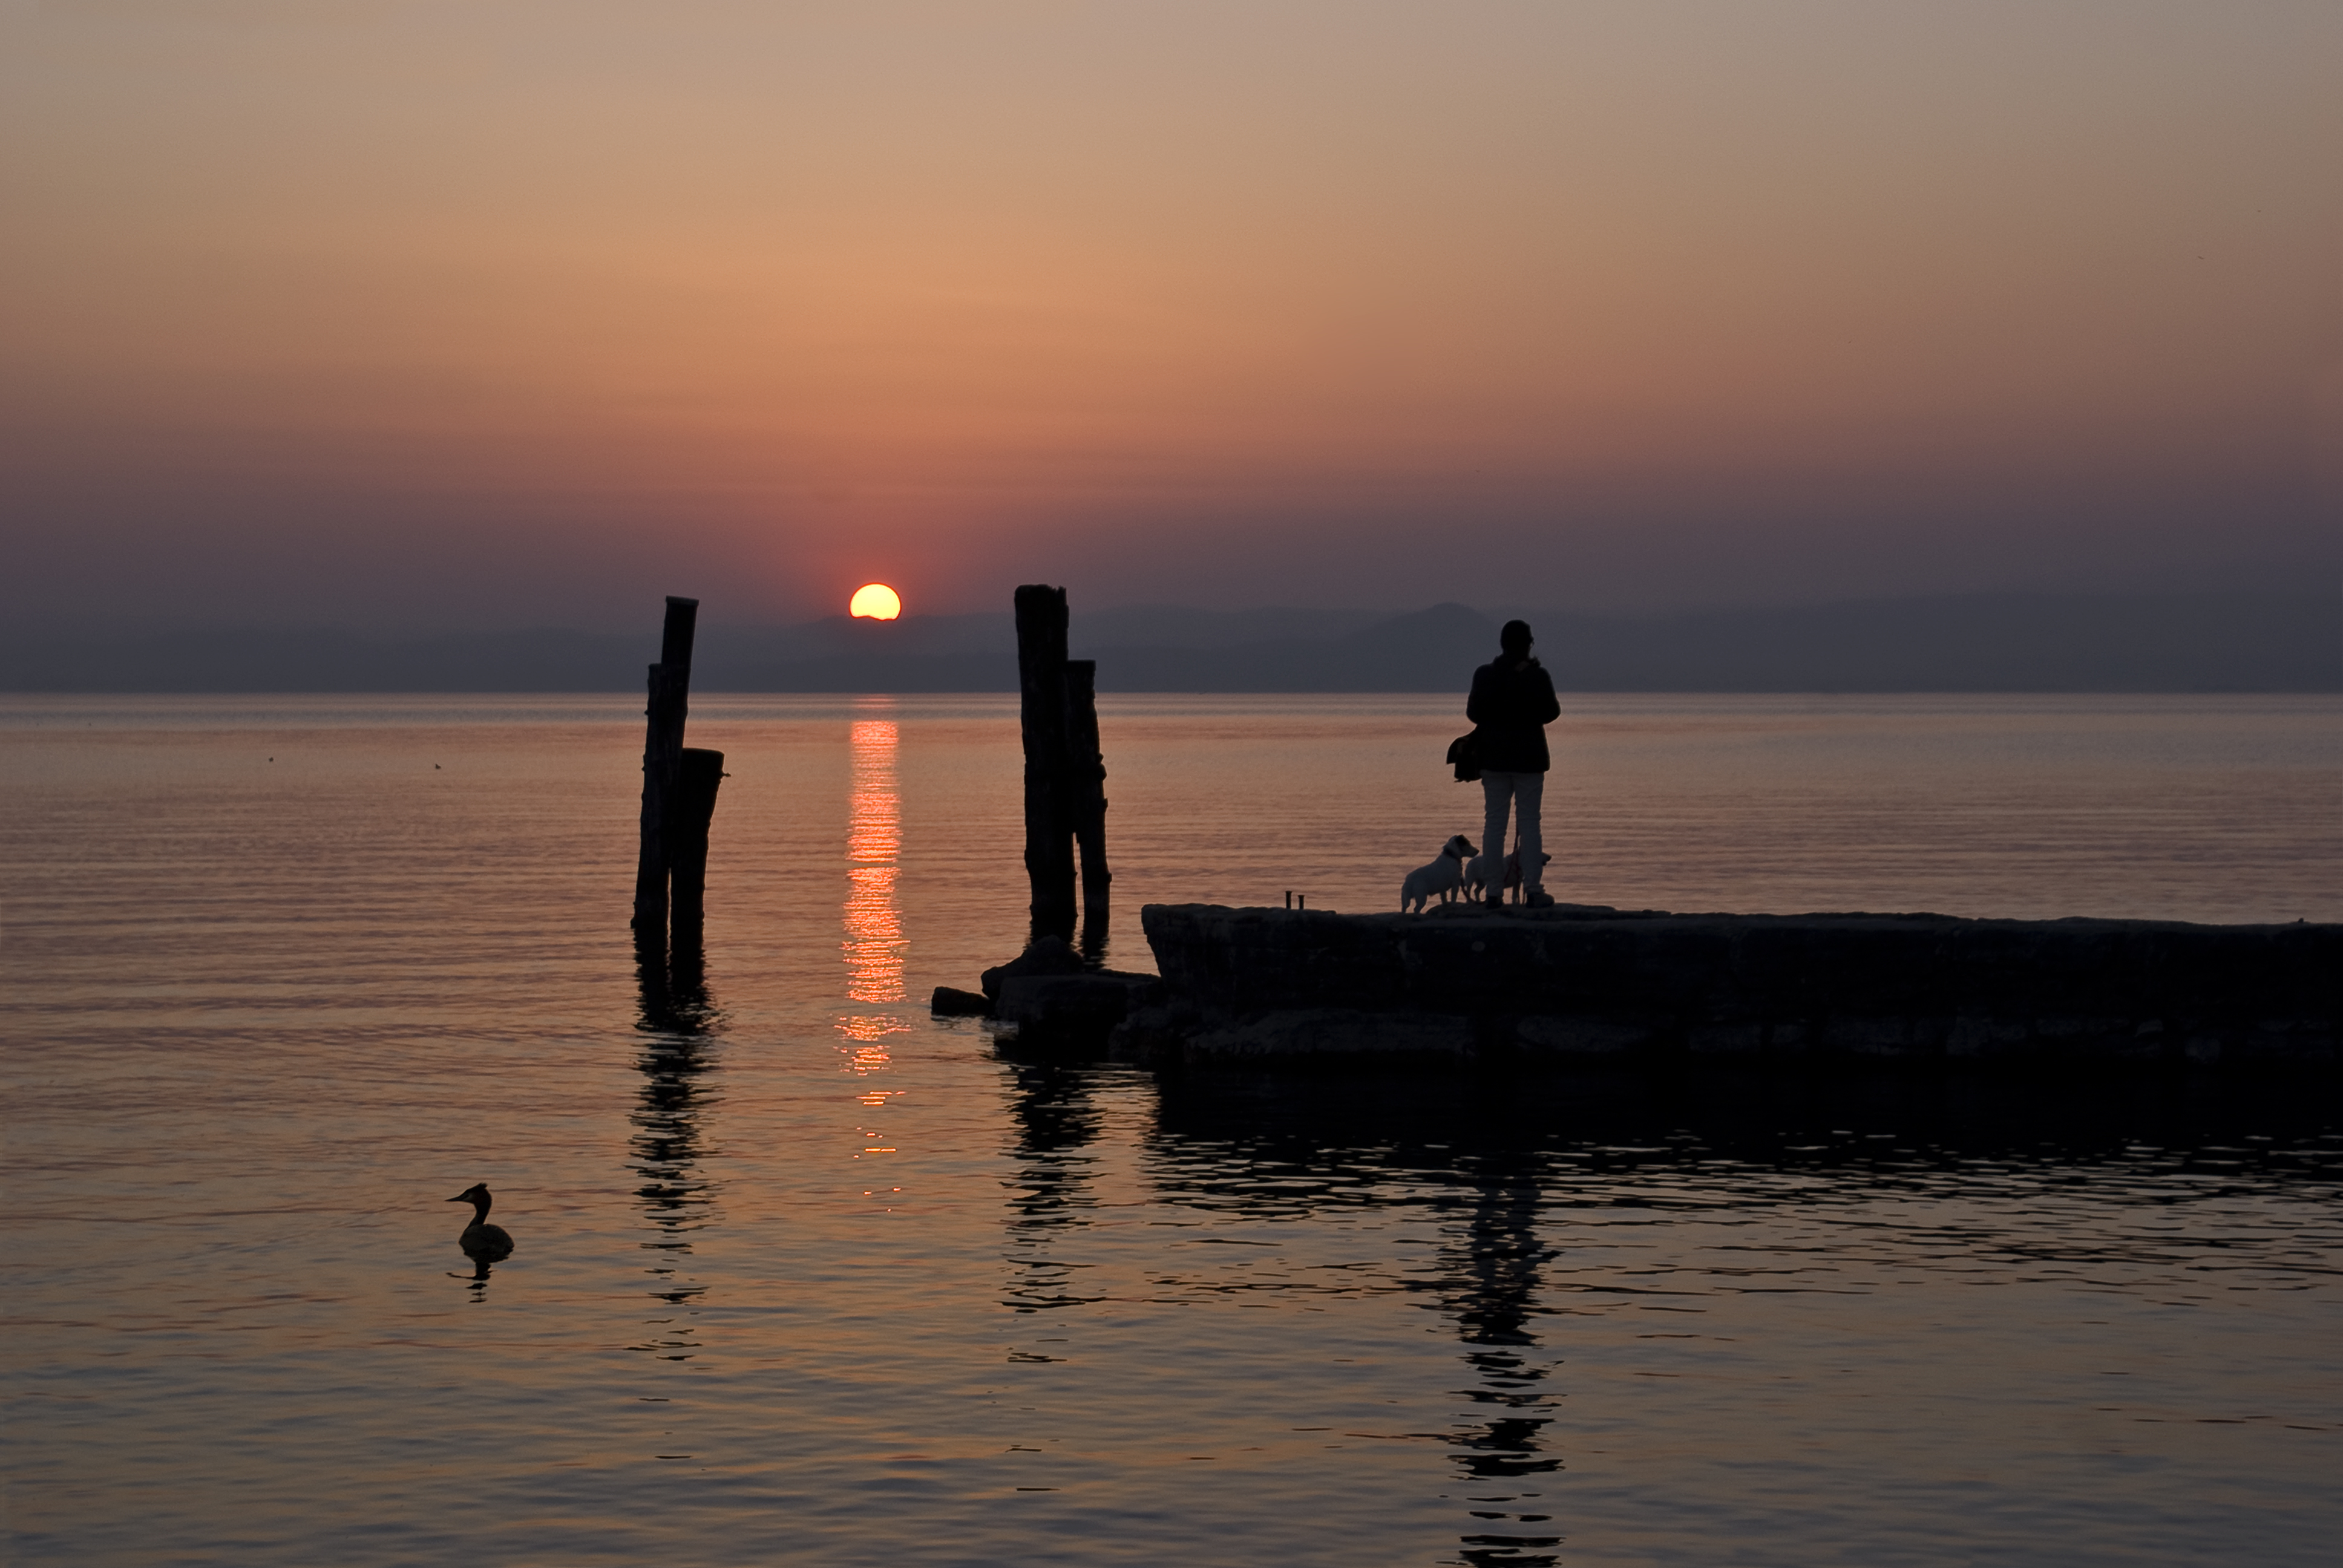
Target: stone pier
x=1585 y=982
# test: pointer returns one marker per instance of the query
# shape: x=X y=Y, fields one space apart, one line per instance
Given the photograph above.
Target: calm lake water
x=804 y=1275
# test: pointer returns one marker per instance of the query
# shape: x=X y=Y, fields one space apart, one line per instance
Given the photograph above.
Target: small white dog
x=1444 y=877
x=1476 y=875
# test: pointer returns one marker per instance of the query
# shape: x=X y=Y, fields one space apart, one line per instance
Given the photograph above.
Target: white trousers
x=1522 y=791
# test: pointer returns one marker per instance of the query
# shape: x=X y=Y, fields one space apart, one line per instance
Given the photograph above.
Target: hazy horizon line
x=2006 y=642
x=651 y=619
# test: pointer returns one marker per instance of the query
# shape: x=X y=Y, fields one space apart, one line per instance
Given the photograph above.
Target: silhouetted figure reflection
x=668 y=1146
x=1056 y=1121
x=1490 y=1284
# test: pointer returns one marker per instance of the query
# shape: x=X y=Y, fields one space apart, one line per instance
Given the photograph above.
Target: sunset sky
x=485 y=312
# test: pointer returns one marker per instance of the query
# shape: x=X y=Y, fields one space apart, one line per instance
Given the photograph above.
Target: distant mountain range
x=1995 y=642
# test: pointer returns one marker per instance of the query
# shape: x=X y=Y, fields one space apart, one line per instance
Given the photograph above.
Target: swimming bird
x=480 y=1239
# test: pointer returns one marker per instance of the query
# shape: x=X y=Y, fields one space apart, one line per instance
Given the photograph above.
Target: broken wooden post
x=1086 y=794
x=690 y=806
x=670 y=689
x=1041 y=713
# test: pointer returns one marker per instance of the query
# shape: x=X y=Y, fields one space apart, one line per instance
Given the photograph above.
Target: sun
x=875 y=601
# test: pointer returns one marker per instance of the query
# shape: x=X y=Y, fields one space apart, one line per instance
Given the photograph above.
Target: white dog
x=1444 y=877
x=1476 y=875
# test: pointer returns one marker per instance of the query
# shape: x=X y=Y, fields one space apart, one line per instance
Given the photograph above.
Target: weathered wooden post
x=1041 y=713
x=690 y=806
x=1086 y=792
x=670 y=690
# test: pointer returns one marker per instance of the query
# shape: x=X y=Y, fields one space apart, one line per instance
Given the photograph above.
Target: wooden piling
x=1086 y=793
x=1041 y=713
x=669 y=690
x=690 y=807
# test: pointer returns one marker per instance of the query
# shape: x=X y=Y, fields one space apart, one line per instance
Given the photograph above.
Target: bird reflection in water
x=679 y=1025
x=1489 y=1286
x=1056 y=1121
x=874 y=946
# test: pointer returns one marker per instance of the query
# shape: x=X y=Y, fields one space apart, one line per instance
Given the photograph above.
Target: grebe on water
x=480 y=1239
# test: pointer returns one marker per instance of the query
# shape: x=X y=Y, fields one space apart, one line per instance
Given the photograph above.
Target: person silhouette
x=1511 y=704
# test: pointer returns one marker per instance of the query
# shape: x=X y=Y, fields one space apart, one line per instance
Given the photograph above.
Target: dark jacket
x=1512 y=703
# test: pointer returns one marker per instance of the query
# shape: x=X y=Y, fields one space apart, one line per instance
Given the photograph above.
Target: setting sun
x=875 y=601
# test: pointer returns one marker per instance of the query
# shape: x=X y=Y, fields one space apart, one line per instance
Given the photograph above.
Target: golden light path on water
x=874 y=945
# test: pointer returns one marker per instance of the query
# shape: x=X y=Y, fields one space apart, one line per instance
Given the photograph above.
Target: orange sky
x=467 y=311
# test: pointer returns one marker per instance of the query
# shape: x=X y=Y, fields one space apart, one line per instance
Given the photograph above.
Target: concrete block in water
x=1071 y=1007
x=953 y=1002
x=1047 y=955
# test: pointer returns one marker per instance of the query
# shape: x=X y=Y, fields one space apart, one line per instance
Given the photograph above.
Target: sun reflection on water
x=874 y=945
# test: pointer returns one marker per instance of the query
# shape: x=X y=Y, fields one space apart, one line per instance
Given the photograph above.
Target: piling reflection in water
x=667 y=1146
x=1057 y=1121
x=874 y=947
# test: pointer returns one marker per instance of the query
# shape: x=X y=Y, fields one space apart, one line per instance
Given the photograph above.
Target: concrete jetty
x=1581 y=982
